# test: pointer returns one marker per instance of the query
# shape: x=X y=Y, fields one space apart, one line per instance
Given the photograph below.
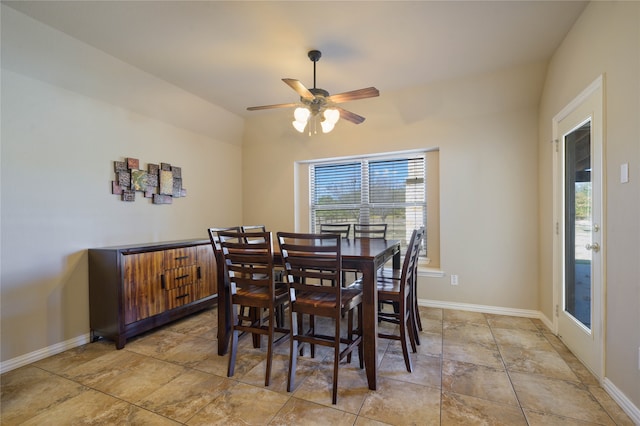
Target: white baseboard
x=627 y=406
x=43 y=353
x=620 y=398
x=485 y=309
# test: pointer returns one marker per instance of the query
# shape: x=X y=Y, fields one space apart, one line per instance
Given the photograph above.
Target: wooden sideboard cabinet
x=135 y=288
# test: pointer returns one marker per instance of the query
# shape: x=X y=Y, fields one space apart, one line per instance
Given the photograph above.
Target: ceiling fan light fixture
x=301 y=114
x=327 y=126
x=299 y=125
x=332 y=115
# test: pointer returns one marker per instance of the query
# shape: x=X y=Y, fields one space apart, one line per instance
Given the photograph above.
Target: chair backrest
x=309 y=261
x=417 y=244
x=410 y=263
x=248 y=263
x=372 y=230
x=253 y=229
x=215 y=241
x=341 y=229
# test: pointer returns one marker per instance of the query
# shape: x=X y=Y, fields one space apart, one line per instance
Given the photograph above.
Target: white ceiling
x=235 y=53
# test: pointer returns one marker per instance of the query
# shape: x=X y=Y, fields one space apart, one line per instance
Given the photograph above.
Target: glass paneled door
x=579 y=225
x=578 y=278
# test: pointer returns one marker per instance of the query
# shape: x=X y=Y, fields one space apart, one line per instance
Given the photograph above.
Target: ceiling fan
x=316 y=102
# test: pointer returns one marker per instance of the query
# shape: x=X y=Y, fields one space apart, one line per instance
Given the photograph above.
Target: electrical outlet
x=454 y=280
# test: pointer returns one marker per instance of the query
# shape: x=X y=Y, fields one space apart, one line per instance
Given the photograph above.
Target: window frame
x=364 y=204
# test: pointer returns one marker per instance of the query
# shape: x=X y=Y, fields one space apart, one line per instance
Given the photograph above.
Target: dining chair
x=400 y=293
x=217 y=254
x=370 y=230
x=341 y=229
x=309 y=260
x=249 y=265
x=252 y=232
x=389 y=273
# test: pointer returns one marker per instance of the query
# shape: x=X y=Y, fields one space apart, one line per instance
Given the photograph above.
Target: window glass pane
x=337 y=184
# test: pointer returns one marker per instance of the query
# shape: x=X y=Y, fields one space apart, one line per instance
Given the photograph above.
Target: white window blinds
x=371 y=190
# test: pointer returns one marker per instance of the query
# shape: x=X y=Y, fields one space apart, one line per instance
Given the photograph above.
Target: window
x=376 y=189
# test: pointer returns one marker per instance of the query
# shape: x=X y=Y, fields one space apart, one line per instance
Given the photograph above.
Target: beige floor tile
x=457 y=316
x=468 y=410
x=562 y=398
x=92 y=407
x=522 y=339
x=300 y=412
x=180 y=348
x=317 y=387
x=614 y=410
x=185 y=395
x=468 y=332
x=241 y=404
x=545 y=363
x=29 y=390
x=475 y=353
x=363 y=421
x=431 y=313
x=125 y=374
x=505 y=321
x=535 y=418
x=478 y=381
x=426 y=369
x=401 y=403
x=62 y=362
x=430 y=344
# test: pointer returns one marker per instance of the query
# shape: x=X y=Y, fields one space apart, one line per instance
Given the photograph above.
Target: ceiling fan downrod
x=315 y=56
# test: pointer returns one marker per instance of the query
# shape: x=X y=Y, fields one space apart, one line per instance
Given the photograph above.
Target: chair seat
x=259 y=293
x=390 y=273
x=350 y=297
x=388 y=289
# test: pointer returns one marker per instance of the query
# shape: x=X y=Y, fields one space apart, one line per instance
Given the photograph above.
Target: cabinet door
x=206 y=261
x=143 y=294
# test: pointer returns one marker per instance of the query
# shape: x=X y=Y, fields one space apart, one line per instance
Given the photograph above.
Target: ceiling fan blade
x=369 y=92
x=256 y=108
x=350 y=116
x=299 y=88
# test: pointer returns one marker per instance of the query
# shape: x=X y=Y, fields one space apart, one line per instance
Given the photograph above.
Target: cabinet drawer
x=178 y=277
x=179 y=257
x=180 y=296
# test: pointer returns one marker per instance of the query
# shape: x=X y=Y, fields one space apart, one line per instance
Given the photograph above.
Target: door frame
x=598 y=312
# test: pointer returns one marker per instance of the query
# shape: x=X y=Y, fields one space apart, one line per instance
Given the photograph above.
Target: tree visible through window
x=371 y=190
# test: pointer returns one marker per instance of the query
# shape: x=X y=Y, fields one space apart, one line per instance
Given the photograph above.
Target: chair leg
x=270 y=336
x=404 y=325
x=312 y=330
x=336 y=362
x=293 y=352
x=233 y=350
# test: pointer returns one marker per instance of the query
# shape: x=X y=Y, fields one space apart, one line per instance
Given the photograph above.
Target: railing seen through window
x=371 y=190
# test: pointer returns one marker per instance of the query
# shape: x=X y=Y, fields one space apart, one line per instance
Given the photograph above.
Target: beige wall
x=604 y=40
x=486 y=130
x=68 y=111
x=58 y=147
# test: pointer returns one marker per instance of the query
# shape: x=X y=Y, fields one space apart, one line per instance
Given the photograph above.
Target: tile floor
x=471 y=368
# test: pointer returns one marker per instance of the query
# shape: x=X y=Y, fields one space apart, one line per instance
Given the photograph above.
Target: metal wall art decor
x=162 y=183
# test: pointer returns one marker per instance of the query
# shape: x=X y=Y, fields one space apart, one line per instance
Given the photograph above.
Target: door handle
x=595 y=247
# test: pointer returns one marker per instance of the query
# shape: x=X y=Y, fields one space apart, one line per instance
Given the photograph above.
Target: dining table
x=365 y=255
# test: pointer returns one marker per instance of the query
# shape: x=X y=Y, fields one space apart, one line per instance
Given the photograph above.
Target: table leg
x=370 y=326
